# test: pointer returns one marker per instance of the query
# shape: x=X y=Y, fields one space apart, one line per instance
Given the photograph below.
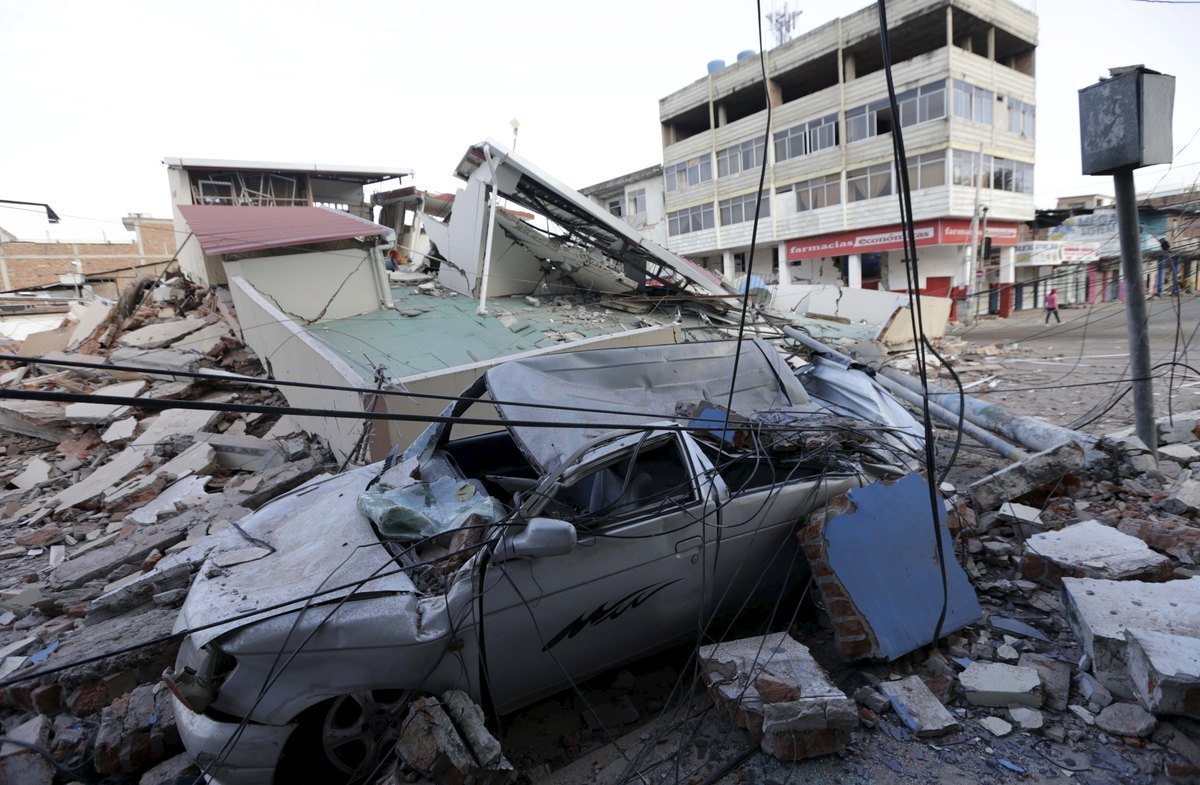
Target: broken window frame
x=624 y=467
x=614 y=207
x=868 y=121
x=806 y=138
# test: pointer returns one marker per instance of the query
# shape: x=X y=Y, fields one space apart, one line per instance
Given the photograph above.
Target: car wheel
x=344 y=740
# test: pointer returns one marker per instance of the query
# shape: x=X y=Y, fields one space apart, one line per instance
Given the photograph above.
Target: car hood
x=310 y=540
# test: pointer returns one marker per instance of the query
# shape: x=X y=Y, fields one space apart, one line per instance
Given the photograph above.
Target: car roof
x=632 y=387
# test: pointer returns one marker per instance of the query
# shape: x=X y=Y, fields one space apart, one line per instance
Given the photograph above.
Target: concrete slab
x=120 y=431
x=90 y=317
x=187 y=492
x=996 y=684
x=157 y=336
x=919 y=708
x=204 y=340
x=1126 y=720
x=100 y=481
x=1024 y=476
x=772 y=686
x=1055 y=676
x=36 y=472
x=1025 y=718
x=174 y=422
x=1164 y=670
x=1184 y=498
x=1090 y=550
x=996 y=726
x=104 y=412
x=1100 y=611
x=864 y=544
x=1019 y=513
x=1182 y=454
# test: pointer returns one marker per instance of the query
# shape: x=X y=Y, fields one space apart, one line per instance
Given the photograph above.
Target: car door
x=765 y=504
x=633 y=582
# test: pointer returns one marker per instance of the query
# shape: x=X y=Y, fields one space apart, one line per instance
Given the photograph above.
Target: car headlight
x=198 y=674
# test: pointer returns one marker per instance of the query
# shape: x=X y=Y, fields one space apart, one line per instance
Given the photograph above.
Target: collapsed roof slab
x=516 y=179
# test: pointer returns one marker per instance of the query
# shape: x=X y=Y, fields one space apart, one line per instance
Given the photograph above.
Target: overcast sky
x=94 y=94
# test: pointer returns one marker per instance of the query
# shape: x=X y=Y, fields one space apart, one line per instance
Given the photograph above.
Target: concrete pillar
x=1008 y=264
x=785 y=270
x=849 y=68
x=722 y=116
x=949 y=26
x=991 y=43
x=854 y=271
x=727 y=260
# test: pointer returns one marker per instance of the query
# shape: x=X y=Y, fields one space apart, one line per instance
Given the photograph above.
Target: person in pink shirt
x=1052 y=306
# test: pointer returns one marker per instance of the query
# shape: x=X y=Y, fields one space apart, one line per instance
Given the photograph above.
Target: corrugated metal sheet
x=223 y=229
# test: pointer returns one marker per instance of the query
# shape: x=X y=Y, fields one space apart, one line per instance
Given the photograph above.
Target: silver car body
x=663 y=539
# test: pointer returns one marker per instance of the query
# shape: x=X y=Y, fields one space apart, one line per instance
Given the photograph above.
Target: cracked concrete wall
x=315 y=286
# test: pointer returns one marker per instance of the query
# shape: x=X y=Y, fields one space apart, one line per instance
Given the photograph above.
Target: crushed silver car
x=509 y=562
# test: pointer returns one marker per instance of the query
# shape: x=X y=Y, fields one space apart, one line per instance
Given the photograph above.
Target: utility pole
x=1135 y=308
x=973 y=259
x=1125 y=124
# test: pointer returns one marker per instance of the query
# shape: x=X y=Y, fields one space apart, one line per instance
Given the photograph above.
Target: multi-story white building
x=964 y=76
x=637 y=198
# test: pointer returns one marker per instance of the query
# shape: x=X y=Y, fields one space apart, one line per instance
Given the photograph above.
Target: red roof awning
x=224 y=229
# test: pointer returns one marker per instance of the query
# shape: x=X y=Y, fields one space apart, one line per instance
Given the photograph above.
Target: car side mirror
x=540 y=537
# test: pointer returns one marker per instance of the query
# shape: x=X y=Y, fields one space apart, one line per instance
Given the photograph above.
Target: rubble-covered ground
x=96 y=495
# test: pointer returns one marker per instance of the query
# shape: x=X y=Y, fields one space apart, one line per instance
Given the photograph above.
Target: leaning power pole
x=1125 y=124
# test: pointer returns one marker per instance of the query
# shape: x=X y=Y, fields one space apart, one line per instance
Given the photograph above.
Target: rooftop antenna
x=515 y=125
x=783 y=23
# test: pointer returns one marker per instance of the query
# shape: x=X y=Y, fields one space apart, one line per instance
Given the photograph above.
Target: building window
x=869 y=182
x=806 y=138
x=923 y=104
x=1020 y=118
x=614 y=207
x=927 y=170
x=690 y=219
x=637 y=202
x=1012 y=176
x=818 y=192
x=688 y=173
x=967 y=166
x=863 y=122
x=1024 y=178
x=972 y=103
x=741 y=208
x=743 y=157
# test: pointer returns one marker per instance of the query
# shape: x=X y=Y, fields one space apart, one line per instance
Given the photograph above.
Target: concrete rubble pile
x=104 y=516
x=1087 y=646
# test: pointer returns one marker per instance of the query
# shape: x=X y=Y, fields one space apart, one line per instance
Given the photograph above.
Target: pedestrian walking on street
x=1052 y=306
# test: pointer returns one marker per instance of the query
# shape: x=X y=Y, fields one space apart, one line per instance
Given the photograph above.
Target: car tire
x=344 y=740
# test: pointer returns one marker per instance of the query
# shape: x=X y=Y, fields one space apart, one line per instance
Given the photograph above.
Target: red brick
x=90 y=698
x=47 y=699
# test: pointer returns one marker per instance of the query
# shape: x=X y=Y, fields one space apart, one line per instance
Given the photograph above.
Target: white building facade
x=636 y=198
x=964 y=77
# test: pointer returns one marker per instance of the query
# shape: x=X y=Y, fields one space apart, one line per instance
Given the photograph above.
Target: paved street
x=1068 y=373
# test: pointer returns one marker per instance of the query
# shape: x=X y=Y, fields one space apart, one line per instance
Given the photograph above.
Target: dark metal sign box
x=1125 y=121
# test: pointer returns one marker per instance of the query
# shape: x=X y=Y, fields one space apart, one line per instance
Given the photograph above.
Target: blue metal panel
x=885 y=556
